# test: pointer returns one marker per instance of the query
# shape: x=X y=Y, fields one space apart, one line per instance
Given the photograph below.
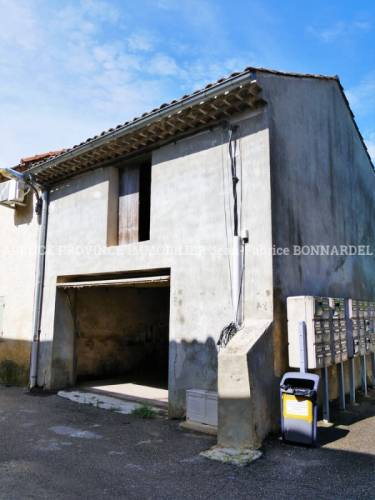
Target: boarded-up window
x=134 y=204
x=1 y=315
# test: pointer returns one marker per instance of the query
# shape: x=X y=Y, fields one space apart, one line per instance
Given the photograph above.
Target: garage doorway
x=122 y=337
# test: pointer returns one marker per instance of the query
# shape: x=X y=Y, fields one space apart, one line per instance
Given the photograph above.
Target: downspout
x=238 y=250
x=39 y=289
x=237 y=239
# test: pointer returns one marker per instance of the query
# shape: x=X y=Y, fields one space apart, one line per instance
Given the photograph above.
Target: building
x=138 y=268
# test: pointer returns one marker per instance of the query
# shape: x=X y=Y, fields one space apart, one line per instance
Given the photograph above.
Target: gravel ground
x=54 y=448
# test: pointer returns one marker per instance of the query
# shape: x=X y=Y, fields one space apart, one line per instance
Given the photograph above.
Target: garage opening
x=122 y=336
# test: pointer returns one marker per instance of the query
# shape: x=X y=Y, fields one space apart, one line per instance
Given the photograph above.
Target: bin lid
x=300 y=377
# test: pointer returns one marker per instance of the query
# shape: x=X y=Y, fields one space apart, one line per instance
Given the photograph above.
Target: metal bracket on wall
x=76 y=327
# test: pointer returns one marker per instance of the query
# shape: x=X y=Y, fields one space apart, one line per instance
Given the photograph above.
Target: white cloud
x=100 y=10
x=142 y=41
x=87 y=15
x=18 y=25
x=166 y=4
x=162 y=64
x=330 y=34
x=339 y=30
x=362 y=96
x=362 y=26
x=208 y=70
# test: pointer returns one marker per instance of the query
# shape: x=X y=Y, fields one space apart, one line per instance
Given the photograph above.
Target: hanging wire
x=227 y=334
x=230 y=330
x=234 y=178
x=229 y=182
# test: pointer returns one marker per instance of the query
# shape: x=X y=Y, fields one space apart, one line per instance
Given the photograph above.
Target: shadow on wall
x=211 y=138
x=192 y=365
x=25 y=215
x=69 y=187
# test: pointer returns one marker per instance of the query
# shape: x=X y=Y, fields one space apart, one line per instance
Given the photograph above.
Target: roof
x=203 y=108
x=41 y=157
x=26 y=163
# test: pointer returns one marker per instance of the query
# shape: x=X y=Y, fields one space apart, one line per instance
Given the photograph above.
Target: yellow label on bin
x=297 y=407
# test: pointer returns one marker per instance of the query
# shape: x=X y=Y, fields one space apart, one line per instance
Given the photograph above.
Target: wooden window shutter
x=129 y=205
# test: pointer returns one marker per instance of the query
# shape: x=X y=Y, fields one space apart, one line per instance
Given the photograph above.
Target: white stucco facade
x=18 y=256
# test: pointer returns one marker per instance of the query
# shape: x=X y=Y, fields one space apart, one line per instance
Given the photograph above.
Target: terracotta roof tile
x=41 y=156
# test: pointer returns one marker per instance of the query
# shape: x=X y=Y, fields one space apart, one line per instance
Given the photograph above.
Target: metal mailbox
x=352 y=328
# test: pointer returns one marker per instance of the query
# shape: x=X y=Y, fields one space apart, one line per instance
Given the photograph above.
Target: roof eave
x=247 y=77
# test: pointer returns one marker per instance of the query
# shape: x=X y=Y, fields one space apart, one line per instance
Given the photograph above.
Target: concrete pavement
x=57 y=449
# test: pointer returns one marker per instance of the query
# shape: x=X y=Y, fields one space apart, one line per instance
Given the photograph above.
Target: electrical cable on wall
x=227 y=333
x=235 y=179
x=230 y=330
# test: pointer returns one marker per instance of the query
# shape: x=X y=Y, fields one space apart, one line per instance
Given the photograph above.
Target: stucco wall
x=18 y=244
x=323 y=193
x=187 y=236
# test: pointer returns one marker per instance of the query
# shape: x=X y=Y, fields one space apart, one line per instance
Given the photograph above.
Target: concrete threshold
x=104 y=402
x=128 y=392
x=131 y=392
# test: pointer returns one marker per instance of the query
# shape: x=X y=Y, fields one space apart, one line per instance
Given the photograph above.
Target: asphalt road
x=52 y=448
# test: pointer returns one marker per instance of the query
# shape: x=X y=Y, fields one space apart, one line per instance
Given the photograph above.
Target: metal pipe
x=39 y=290
x=341 y=385
x=326 y=415
x=364 y=375
x=237 y=279
x=302 y=347
x=352 y=380
x=216 y=90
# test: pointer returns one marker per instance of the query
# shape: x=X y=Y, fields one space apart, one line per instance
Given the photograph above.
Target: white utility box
x=12 y=192
x=316 y=313
x=201 y=407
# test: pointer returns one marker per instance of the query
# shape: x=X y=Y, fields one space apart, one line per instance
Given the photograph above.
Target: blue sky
x=73 y=68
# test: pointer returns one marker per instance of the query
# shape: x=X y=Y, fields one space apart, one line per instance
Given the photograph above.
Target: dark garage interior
x=124 y=334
